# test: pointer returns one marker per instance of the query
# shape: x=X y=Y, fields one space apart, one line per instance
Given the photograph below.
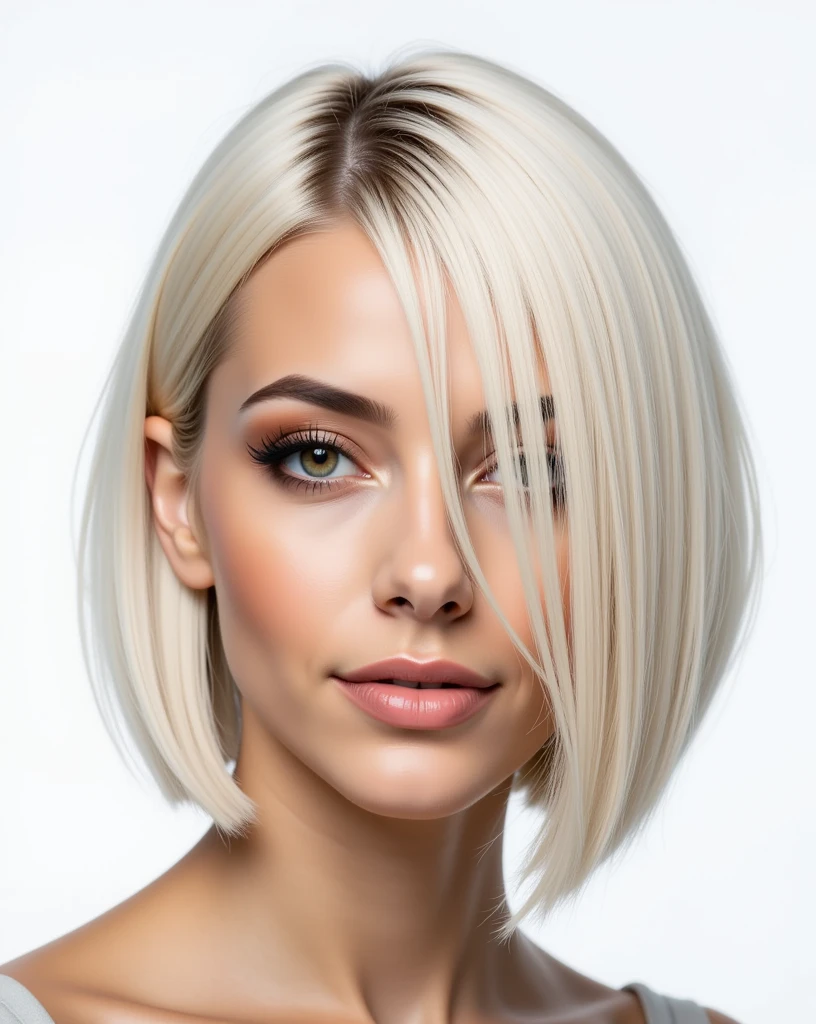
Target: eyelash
x=276 y=450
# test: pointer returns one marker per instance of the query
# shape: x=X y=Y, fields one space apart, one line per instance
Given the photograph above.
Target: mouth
x=421 y=686
x=411 y=673
x=419 y=709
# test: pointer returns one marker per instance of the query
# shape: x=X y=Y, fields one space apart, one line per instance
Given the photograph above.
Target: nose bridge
x=423 y=565
x=425 y=501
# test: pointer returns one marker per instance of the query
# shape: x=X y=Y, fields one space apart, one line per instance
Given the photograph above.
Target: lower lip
x=411 y=708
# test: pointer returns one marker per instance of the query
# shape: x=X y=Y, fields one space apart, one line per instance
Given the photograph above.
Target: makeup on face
x=417 y=708
x=413 y=694
x=331 y=539
x=325 y=450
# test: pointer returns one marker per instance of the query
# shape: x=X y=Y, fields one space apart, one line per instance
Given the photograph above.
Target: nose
x=422 y=574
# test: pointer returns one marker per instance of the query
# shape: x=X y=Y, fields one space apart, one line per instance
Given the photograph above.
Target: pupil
x=321 y=459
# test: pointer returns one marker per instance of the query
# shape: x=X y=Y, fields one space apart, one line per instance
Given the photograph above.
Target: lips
x=433 y=673
x=410 y=708
x=420 y=686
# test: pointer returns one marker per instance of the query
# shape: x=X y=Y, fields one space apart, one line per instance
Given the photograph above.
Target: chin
x=406 y=788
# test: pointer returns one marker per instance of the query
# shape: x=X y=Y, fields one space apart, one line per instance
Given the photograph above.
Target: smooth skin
x=364 y=892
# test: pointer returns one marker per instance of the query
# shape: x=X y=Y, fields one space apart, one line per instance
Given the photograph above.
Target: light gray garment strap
x=660 y=1009
x=18 y=1005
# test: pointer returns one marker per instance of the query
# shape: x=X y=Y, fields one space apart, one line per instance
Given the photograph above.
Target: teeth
x=419 y=686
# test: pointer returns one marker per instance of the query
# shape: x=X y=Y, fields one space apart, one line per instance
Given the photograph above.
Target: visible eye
x=315 y=452
x=555 y=467
x=319 y=454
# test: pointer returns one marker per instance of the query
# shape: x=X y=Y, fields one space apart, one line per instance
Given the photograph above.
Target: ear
x=170 y=500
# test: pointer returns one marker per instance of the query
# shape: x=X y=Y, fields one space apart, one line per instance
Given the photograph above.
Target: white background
x=106 y=112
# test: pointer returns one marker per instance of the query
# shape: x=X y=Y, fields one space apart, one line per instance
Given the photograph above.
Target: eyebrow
x=348 y=403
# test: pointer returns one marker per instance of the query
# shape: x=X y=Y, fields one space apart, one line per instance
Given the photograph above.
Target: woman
x=419 y=394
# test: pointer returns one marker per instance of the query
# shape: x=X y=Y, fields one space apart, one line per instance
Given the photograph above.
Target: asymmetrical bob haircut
x=465 y=176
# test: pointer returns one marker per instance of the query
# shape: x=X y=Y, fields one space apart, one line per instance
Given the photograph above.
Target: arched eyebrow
x=349 y=403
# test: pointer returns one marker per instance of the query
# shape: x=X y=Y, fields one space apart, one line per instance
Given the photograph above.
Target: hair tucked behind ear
x=465 y=176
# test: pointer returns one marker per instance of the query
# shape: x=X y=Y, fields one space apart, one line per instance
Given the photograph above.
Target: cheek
x=499 y=560
x=283 y=573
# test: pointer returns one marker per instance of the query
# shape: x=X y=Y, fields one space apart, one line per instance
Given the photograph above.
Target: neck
x=384 y=918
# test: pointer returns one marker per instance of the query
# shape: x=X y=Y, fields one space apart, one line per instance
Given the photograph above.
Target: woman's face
x=314 y=582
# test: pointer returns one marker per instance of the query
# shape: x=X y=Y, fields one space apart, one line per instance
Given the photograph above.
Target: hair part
x=469 y=178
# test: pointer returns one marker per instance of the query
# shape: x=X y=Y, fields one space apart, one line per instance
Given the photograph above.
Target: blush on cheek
x=262 y=597
x=284 y=575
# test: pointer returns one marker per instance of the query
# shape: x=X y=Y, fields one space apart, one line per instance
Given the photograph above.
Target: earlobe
x=170 y=500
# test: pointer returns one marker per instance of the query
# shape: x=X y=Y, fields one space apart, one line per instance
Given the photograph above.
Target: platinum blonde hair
x=464 y=174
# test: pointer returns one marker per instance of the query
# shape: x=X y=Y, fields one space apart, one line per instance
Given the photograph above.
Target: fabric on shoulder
x=659 y=1009
x=18 y=1005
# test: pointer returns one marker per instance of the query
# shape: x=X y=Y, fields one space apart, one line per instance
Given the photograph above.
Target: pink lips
x=403 y=666
x=417 y=708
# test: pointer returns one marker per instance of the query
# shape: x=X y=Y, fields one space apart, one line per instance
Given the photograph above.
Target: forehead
x=324 y=306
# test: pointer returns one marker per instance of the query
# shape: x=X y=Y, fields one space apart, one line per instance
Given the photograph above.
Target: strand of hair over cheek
x=595 y=755
x=639 y=513
x=470 y=283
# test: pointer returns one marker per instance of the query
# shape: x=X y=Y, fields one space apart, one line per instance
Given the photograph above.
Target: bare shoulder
x=85 y=976
x=586 y=1001
x=136 y=964
x=118 y=967
x=35 y=973
x=68 y=995
x=719 y=1018
x=579 y=997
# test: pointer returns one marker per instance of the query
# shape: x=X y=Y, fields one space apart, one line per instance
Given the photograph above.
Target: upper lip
x=411 y=670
